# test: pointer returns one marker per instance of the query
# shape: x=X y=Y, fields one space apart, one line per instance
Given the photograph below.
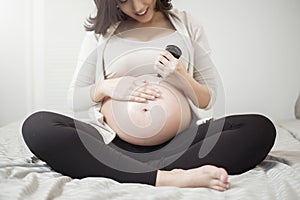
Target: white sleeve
x=204 y=68
x=204 y=71
x=79 y=98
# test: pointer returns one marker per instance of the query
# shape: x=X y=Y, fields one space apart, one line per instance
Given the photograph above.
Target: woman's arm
x=84 y=91
x=125 y=88
x=197 y=92
x=173 y=72
x=79 y=98
x=204 y=70
x=199 y=81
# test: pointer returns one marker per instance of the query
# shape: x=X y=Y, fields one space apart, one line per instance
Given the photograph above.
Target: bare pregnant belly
x=150 y=123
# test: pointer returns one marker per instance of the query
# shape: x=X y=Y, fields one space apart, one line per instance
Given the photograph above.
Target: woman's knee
x=35 y=127
x=265 y=129
x=256 y=129
x=34 y=121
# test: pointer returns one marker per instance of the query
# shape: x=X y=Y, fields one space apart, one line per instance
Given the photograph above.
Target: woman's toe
x=220 y=184
x=219 y=188
x=223 y=175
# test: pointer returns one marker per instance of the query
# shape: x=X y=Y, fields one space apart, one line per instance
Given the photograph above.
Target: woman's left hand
x=170 y=69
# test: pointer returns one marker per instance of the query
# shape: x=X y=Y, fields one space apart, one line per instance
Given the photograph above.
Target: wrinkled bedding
x=277 y=177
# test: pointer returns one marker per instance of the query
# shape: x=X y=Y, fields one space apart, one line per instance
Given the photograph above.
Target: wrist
x=98 y=91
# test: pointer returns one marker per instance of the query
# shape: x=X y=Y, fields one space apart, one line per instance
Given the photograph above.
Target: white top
x=91 y=69
x=127 y=57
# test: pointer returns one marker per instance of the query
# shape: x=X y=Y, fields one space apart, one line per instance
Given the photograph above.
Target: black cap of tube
x=174 y=50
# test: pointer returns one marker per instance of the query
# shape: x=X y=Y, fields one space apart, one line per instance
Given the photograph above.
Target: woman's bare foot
x=206 y=176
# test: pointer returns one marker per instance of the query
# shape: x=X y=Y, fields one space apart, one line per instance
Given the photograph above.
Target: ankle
x=169 y=178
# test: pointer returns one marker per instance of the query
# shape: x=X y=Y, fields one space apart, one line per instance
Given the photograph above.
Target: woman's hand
x=129 y=88
x=173 y=72
x=171 y=69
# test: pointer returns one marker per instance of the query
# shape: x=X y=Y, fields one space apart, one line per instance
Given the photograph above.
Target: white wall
x=255 y=48
x=40 y=42
x=64 y=33
x=13 y=60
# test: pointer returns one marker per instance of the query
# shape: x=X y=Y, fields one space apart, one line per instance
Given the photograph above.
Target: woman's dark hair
x=108 y=14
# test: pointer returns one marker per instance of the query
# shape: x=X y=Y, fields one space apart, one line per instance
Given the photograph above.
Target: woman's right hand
x=129 y=88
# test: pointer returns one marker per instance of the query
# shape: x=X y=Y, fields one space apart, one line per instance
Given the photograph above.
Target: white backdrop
x=255 y=48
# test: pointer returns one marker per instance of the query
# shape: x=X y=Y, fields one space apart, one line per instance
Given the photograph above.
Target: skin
x=171 y=69
x=150 y=123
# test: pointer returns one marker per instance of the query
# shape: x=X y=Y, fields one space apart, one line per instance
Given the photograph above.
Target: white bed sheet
x=277 y=177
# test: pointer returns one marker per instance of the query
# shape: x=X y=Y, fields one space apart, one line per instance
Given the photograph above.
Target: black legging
x=245 y=140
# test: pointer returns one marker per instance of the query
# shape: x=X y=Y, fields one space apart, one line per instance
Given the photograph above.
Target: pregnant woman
x=135 y=106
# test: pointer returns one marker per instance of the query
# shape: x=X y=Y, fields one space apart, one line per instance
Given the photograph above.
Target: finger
x=167 y=55
x=152 y=88
x=144 y=95
x=162 y=60
x=155 y=66
x=158 y=62
x=159 y=67
x=140 y=83
x=162 y=70
x=162 y=73
x=149 y=91
x=168 y=64
x=137 y=99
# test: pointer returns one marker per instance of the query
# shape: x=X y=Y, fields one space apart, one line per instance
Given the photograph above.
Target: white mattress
x=277 y=177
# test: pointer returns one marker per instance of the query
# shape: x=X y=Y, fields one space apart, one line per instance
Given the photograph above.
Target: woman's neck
x=159 y=20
